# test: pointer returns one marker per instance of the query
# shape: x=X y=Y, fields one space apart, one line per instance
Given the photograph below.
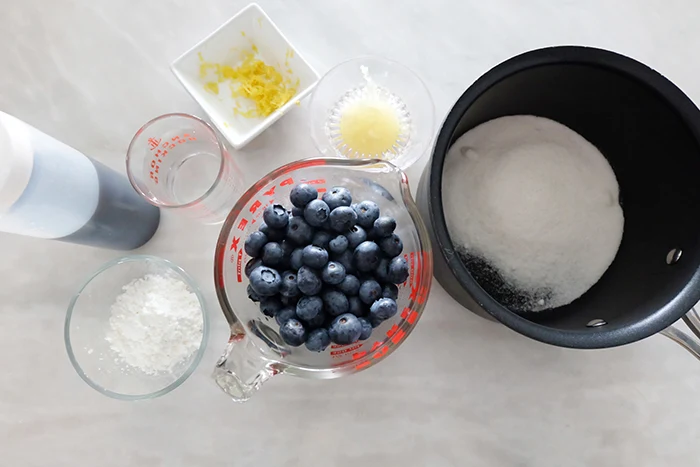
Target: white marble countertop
x=460 y=391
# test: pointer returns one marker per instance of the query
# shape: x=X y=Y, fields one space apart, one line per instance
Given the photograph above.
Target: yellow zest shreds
x=253 y=79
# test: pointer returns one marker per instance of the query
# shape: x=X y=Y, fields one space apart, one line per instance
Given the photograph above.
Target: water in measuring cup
x=192 y=177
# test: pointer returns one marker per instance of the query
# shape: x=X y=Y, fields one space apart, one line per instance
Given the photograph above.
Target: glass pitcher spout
x=242 y=368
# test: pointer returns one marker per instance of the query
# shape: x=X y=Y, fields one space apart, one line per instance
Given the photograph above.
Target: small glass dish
x=87 y=324
x=400 y=119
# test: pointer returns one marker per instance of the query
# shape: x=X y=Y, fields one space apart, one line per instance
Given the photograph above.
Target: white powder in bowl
x=533 y=208
x=156 y=323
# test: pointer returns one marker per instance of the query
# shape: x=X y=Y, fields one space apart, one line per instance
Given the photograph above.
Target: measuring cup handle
x=242 y=369
x=688 y=342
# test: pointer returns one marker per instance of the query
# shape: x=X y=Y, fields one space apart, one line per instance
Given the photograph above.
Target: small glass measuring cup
x=177 y=161
x=255 y=351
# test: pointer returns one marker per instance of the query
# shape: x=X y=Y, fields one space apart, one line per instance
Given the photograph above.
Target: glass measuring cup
x=177 y=161
x=255 y=351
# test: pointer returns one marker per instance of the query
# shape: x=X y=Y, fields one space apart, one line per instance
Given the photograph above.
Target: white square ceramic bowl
x=250 y=26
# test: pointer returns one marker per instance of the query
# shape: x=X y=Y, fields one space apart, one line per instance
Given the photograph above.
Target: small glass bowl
x=398 y=87
x=87 y=323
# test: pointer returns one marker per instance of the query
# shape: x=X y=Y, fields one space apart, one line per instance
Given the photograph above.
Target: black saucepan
x=649 y=131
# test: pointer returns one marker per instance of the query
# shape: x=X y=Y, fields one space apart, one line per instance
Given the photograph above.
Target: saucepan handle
x=691 y=343
x=242 y=369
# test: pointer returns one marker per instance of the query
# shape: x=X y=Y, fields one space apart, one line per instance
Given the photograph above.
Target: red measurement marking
x=242 y=224
x=318 y=181
x=398 y=336
x=234 y=243
x=405 y=312
x=362 y=365
x=381 y=352
x=239 y=278
x=271 y=191
x=254 y=207
x=321 y=190
x=391 y=331
x=412 y=317
x=346 y=349
x=189 y=137
x=287 y=181
x=375 y=346
x=358 y=355
x=153 y=143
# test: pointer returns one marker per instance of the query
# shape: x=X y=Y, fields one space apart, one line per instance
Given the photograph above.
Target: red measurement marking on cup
x=271 y=191
x=345 y=350
x=254 y=207
x=242 y=224
x=318 y=181
x=381 y=351
x=358 y=355
x=375 y=346
x=153 y=143
x=239 y=278
x=393 y=330
x=398 y=337
x=234 y=243
x=362 y=365
x=287 y=181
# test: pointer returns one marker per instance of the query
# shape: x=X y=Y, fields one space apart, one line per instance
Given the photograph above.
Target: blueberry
x=391 y=245
x=308 y=308
x=252 y=294
x=345 y=329
x=289 y=285
x=370 y=291
x=384 y=226
x=319 y=321
x=293 y=332
x=297 y=212
x=367 y=213
x=345 y=258
x=338 y=244
x=270 y=306
x=337 y=196
x=308 y=281
x=316 y=213
x=342 y=218
x=290 y=301
x=356 y=307
x=374 y=321
x=318 y=340
x=295 y=260
x=321 y=239
x=390 y=291
x=265 y=281
x=366 y=256
x=252 y=264
x=355 y=236
x=299 y=231
x=273 y=254
x=333 y=273
x=276 y=216
x=255 y=243
x=302 y=195
x=350 y=285
x=382 y=270
x=273 y=235
x=285 y=314
x=314 y=257
x=366 y=329
x=335 y=302
x=398 y=270
x=383 y=309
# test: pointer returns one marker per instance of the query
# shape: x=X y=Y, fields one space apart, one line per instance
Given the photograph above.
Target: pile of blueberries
x=326 y=270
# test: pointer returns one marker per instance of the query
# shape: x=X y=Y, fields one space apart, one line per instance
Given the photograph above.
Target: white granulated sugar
x=537 y=203
x=155 y=324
